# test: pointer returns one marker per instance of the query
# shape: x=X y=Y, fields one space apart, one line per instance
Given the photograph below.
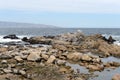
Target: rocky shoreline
x=50 y=62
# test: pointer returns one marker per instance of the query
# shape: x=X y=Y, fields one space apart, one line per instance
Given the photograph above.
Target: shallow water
x=107 y=74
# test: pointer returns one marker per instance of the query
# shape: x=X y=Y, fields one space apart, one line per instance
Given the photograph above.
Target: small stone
x=42 y=64
x=51 y=59
x=7 y=70
x=15 y=71
x=18 y=58
x=22 y=72
x=4 y=61
x=86 y=57
x=12 y=65
x=61 y=62
x=44 y=56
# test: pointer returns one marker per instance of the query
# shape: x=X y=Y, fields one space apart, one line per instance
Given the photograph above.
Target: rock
x=50 y=36
x=111 y=40
x=60 y=47
x=22 y=72
x=71 y=37
x=60 y=62
x=24 y=57
x=96 y=60
x=25 y=39
x=95 y=67
x=4 y=62
x=116 y=77
x=33 y=57
x=15 y=71
x=51 y=59
x=66 y=69
x=3 y=49
x=5 y=56
x=86 y=57
x=11 y=36
x=111 y=64
x=18 y=58
x=40 y=40
x=44 y=56
x=76 y=56
x=7 y=70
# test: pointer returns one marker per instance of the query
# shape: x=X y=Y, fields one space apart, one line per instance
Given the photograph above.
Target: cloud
x=73 y=6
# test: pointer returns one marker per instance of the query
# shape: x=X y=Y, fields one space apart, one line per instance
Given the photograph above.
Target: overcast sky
x=64 y=13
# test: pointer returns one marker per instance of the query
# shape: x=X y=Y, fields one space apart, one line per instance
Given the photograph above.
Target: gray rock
x=7 y=70
x=5 y=56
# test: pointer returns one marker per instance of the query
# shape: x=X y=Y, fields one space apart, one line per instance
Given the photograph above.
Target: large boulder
x=116 y=77
x=11 y=36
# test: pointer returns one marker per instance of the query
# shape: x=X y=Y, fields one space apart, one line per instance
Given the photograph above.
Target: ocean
x=29 y=32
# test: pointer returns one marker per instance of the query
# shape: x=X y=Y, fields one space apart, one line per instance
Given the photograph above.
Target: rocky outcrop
x=11 y=36
x=39 y=40
x=25 y=39
x=75 y=38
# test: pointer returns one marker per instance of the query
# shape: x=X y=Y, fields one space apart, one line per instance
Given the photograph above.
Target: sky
x=63 y=13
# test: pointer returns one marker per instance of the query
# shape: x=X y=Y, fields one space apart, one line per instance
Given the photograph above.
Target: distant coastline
x=5 y=24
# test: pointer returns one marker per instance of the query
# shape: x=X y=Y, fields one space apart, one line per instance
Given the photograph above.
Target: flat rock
x=4 y=61
x=7 y=70
x=18 y=58
x=33 y=57
x=76 y=56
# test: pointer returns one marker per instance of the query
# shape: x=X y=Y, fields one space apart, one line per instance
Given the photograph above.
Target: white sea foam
x=2 y=40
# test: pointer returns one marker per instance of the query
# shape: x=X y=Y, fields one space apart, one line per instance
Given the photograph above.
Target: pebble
x=4 y=62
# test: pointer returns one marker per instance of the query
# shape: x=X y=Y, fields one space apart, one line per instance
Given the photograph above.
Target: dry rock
x=51 y=59
x=76 y=56
x=33 y=57
x=18 y=58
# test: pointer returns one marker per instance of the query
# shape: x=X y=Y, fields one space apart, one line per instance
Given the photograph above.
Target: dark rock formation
x=39 y=40
x=25 y=39
x=110 y=40
x=11 y=36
